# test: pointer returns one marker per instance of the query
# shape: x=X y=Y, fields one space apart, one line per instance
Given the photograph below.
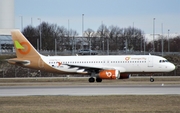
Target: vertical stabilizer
x=22 y=46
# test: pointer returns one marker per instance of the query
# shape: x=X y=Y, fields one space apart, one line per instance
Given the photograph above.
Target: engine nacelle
x=109 y=74
x=124 y=76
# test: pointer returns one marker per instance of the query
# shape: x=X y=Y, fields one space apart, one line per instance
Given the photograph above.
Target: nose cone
x=172 y=67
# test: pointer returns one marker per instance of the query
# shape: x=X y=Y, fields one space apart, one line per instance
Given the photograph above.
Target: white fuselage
x=123 y=63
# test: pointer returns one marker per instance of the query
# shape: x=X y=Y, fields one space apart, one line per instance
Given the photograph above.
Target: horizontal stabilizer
x=18 y=61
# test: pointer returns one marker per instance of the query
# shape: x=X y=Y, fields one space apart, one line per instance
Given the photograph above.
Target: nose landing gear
x=151 y=79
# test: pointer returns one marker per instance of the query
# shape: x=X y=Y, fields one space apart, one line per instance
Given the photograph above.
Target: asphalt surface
x=89 y=90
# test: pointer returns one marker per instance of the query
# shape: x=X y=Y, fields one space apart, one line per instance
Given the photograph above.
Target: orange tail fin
x=22 y=46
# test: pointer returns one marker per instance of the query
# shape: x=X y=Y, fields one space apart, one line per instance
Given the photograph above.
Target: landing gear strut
x=92 y=78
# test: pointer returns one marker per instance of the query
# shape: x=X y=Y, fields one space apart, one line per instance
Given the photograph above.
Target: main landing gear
x=151 y=79
x=97 y=80
x=91 y=79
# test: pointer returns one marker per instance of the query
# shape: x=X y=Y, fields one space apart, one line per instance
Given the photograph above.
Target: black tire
x=151 y=79
x=91 y=79
x=98 y=80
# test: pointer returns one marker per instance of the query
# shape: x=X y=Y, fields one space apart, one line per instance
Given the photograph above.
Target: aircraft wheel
x=152 y=79
x=98 y=80
x=91 y=79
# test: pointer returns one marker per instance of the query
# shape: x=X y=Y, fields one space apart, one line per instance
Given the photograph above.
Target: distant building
x=6 y=44
x=7 y=20
x=7 y=24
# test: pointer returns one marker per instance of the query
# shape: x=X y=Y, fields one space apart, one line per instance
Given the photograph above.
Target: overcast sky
x=122 y=13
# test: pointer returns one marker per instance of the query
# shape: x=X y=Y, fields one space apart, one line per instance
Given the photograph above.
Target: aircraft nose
x=172 y=67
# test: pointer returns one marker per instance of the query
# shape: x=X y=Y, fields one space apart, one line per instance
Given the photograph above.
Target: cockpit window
x=162 y=61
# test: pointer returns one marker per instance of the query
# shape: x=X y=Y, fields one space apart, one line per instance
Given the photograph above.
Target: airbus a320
x=97 y=67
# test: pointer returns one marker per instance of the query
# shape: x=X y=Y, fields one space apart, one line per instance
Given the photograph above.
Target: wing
x=85 y=68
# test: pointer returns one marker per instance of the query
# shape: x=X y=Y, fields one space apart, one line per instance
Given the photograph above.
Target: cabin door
x=150 y=62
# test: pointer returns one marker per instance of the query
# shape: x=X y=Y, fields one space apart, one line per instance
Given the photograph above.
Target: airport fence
x=120 y=52
x=8 y=71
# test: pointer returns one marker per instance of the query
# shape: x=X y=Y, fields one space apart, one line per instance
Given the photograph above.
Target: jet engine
x=109 y=74
x=124 y=76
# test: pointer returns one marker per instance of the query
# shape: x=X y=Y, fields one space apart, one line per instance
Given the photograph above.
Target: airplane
x=98 y=67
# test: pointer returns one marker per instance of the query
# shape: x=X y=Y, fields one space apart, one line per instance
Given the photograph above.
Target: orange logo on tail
x=25 y=45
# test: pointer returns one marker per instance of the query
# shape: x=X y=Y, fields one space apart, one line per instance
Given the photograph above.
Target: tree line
x=112 y=38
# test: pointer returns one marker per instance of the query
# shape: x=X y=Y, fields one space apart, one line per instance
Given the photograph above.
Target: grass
x=91 y=104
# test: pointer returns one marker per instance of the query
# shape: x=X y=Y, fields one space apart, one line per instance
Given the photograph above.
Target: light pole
x=21 y=22
x=40 y=34
x=55 y=42
x=153 y=32
x=162 y=42
x=72 y=45
x=103 y=46
x=68 y=27
x=126 y=45
x=107 y=46
x=144 y=45
x=31 y=21
x=168 y=42
x=38 y=44
x=82 y=31
x=90 y=45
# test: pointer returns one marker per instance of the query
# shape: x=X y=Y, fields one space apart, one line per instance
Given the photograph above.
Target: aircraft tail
x=22 y=46
x=27 y=56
